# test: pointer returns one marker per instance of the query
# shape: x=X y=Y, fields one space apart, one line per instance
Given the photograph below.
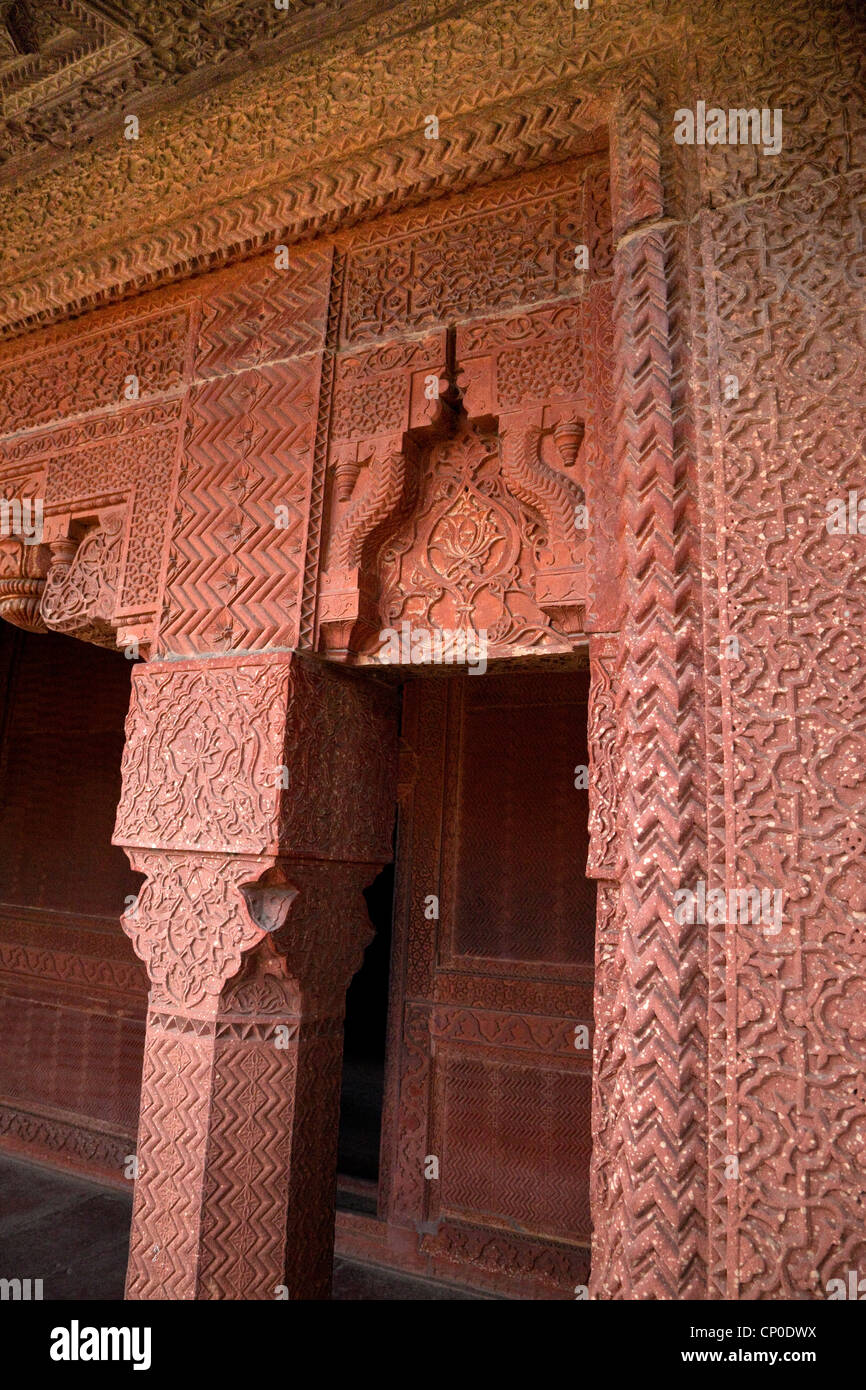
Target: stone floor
x=73 y=1235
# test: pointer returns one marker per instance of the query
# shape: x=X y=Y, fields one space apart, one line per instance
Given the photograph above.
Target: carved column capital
x=23 y=568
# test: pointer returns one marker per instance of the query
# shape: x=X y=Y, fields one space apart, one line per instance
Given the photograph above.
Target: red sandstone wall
x=72 y=994
x=777 y=266
x=754 y=269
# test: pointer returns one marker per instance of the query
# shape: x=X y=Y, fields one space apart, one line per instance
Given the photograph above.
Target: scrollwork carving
x=348 y=613
x=81 y=586
x=559 y=582
x=191 y=923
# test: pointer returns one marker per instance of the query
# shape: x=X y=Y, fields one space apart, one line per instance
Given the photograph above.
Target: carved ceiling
x=67 y=67
x=278 y=139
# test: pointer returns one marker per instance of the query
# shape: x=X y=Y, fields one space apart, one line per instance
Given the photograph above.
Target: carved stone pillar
x=258 y=800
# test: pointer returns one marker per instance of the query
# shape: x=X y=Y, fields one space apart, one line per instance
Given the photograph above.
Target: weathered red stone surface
x=722 y=618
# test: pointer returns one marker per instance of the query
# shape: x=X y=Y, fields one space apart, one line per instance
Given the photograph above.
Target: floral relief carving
x=257 y=799
x=202 y=757
x=471 y=555
x=80 y=592
x=94 y=372
x=705 y=522
x=603 y=861
x=461 y=261
x=191 y=923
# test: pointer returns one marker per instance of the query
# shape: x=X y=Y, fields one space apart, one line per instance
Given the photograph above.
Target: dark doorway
x=364 y=1055
x=493 y=991
x=73 y=996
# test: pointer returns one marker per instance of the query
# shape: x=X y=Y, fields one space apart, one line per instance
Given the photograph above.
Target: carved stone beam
x=258 y=800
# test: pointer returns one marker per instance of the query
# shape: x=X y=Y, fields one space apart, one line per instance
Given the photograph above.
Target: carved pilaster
x=258 y=800
x=649 y=1125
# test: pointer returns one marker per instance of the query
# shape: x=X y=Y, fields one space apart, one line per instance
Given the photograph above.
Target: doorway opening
x=364 y=1047
x=491 y=958
x=73 y=995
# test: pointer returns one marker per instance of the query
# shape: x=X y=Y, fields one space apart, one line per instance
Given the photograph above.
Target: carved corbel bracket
x=191 y=923
x=368 y=494
x=348 y=612
x=24 y=557
x=80 y=591
x=559 y=500
x=23 y=568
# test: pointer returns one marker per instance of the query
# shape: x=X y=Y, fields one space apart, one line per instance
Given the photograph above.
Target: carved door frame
x=653 y=1130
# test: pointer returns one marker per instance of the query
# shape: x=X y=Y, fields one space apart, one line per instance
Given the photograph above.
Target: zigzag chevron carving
x=175 y=1097
x=650 y=1154
x=236 y=560
x=480 y=148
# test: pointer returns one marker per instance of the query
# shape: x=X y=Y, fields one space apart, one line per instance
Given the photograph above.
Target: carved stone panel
x=237 y=546
x=117 y=471
x=500 y=248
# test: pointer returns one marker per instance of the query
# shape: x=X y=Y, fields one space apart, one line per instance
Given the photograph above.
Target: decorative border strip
x=501 y=140
x=99 y=1152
